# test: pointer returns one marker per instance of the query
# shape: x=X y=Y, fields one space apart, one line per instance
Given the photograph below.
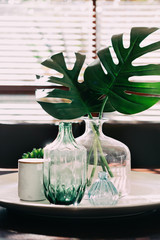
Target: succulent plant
x=35 y=153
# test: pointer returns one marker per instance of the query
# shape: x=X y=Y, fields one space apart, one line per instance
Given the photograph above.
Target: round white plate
x=144 y=196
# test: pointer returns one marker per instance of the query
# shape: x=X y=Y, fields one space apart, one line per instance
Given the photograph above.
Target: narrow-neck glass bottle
x=66 y=179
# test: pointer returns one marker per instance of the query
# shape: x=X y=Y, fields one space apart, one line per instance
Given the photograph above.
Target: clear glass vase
x=102 y=191
x=106 y=154
x=64 y=168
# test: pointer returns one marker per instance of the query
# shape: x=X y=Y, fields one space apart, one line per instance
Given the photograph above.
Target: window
x=33 y=30
x=118 y=16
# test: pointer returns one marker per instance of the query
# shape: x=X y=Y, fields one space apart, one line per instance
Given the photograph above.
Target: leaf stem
x=103 y=159
x=90 y=115
x=102 y=109
x=95 y=162
x=95 y=130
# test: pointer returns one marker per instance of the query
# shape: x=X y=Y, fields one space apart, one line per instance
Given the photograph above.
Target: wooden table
x=17 y=225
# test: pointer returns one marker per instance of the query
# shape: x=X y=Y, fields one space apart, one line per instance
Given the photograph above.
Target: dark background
x=143 y=140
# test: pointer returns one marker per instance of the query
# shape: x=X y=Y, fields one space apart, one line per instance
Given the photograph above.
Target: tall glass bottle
x=64 y=168
x=106 y=154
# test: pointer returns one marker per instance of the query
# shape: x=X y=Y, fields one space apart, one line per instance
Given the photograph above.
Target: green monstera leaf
x=125 y=96
x=80 y=99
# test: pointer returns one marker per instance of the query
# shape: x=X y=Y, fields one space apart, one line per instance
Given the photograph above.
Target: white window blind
x=118 y=17
x=31 y=31
x=115 y=17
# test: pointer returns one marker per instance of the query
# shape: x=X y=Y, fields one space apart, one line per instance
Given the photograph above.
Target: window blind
x=31 y=31
x=120 y=16
x=116 y=17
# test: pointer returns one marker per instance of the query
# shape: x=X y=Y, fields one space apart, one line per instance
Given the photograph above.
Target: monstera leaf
x=125 y=96
x=80 y=99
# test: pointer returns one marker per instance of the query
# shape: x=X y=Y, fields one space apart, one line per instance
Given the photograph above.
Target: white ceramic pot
x=30 y=179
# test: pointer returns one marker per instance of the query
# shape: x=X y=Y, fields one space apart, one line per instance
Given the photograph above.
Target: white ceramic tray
x=144 y=196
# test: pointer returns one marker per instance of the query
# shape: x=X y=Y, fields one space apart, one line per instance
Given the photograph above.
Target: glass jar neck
x=65 y=133
x=92 y=125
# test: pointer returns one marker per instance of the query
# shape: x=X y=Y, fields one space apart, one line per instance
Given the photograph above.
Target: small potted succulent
x=35 y=153
x=30 y=176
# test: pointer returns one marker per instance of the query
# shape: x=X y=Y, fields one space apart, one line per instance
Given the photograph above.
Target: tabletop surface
x=19 y=225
